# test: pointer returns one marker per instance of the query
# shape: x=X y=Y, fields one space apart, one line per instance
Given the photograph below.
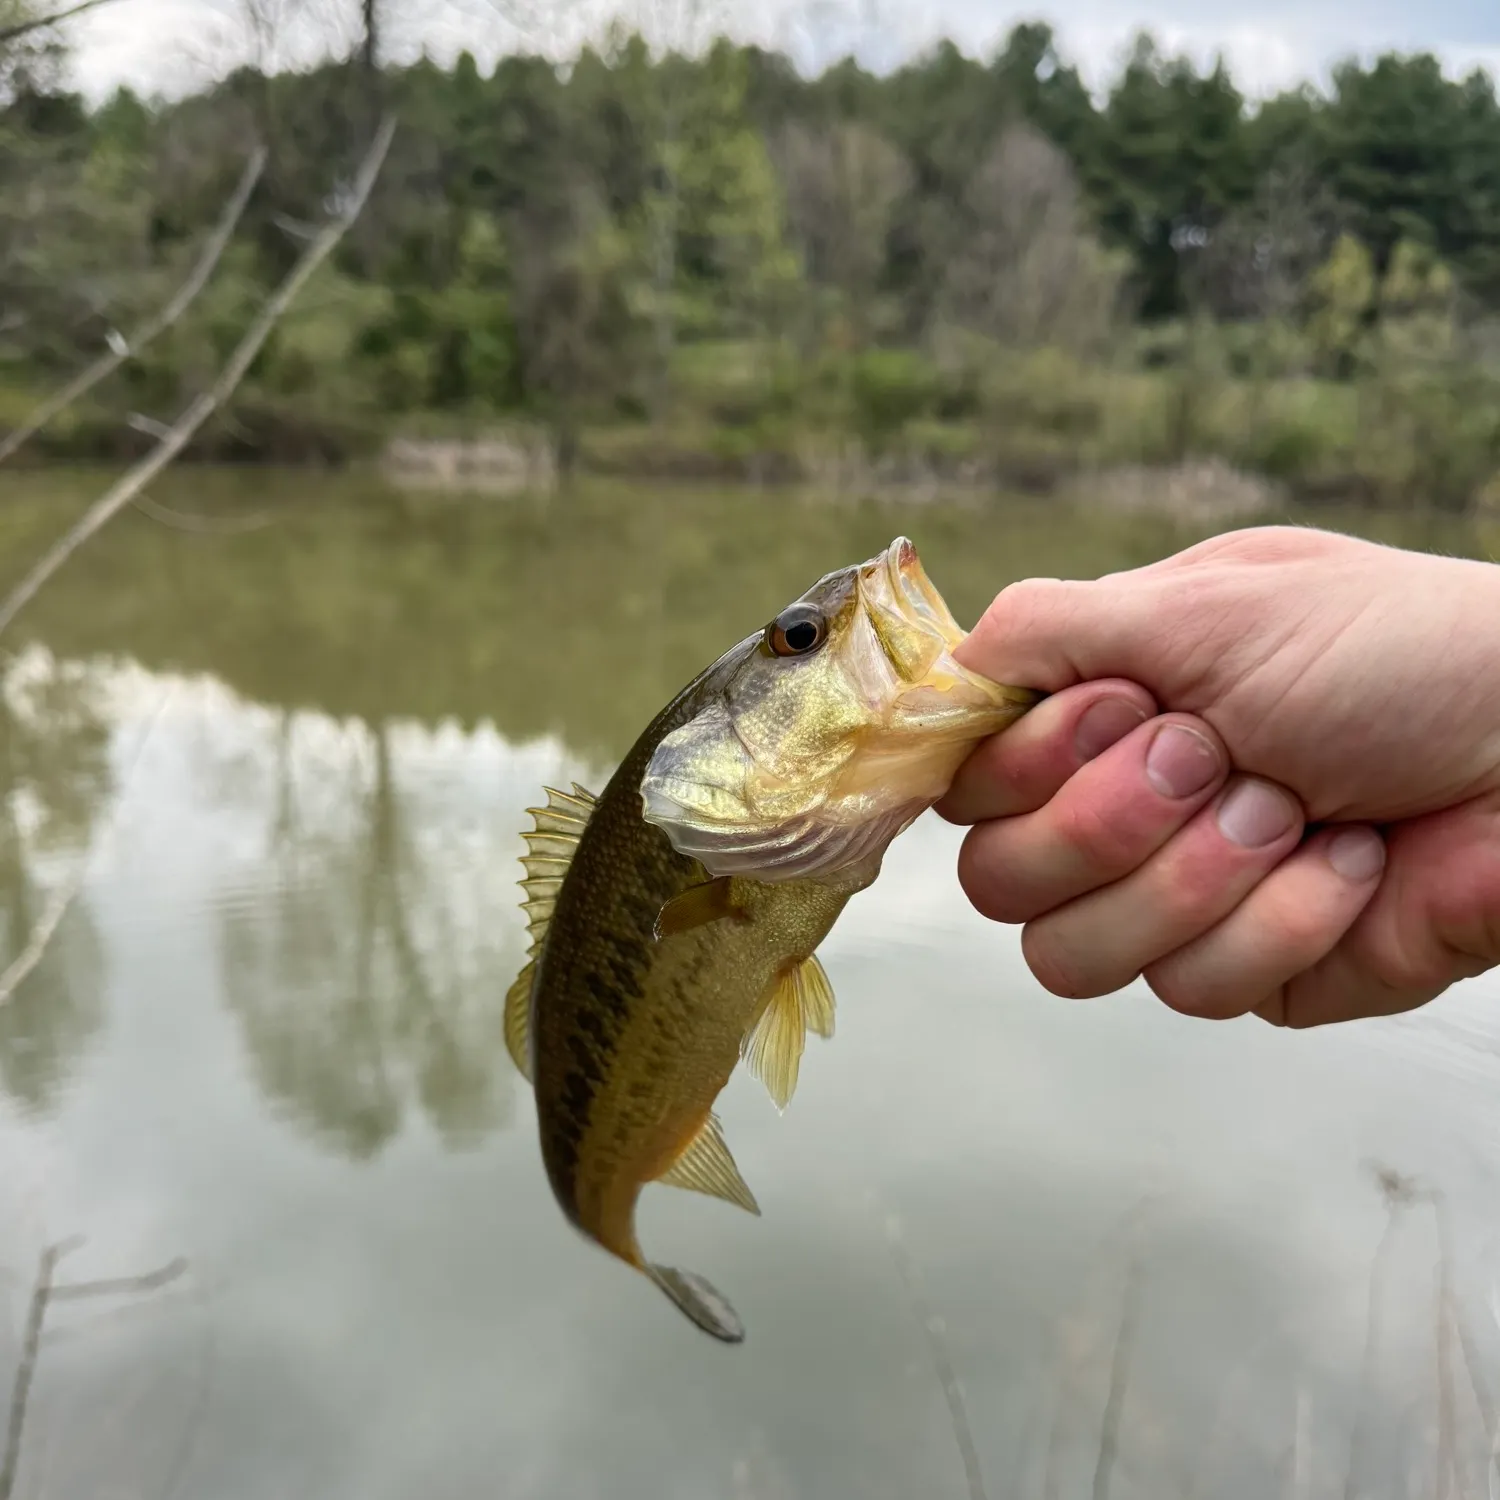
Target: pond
x=1010 y=1245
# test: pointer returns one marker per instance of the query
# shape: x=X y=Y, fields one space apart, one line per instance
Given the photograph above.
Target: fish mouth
x=908 y=713
x=910 y=584
x=917 y=636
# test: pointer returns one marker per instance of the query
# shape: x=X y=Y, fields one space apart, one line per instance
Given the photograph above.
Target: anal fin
x=707 y=1167
x=801 y=1001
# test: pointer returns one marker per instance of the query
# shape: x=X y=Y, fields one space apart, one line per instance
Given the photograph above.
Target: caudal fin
x=701 y=1301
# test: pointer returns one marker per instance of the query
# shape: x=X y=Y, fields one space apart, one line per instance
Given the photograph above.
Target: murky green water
x=266 y=1037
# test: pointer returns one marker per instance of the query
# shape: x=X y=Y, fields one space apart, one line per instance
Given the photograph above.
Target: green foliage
x=1342 y=294
x=975 y=260
x=889 y=388
x=450 y=346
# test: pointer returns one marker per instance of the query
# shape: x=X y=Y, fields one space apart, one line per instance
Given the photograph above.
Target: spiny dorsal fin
x=707 y=1167
x=550 y=846
x=551 y=843
x=801 y=1000
x=518 y=1021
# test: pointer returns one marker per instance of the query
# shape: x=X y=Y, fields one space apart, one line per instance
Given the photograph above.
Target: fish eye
x=798 y=629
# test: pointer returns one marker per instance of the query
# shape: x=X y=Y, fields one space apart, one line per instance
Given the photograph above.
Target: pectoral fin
x=801 y=1000
x=697 y=905
x=707 y=1167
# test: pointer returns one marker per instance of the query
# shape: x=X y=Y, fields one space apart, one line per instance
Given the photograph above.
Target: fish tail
x=707 y=1306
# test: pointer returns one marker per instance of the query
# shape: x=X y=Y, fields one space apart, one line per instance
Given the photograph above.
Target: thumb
x=1050 y=633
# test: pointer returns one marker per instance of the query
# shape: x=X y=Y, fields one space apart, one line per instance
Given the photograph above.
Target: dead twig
x=31 y=1347
x=40 y=23
x=63 y=898
x=953 y=1392
x=1119 y=1379
x=180 y=520
x=124 y=348
x=41 y=934
x=1297 y=1476
x=43 y=1294
x=130 y=485
x=1398 y=1193
x=120 y=1286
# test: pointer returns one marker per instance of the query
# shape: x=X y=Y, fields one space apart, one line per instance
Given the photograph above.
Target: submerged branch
x=43 y=1294
x=113 y=358
x=120 y=1286
x=953 y=1392
x=1119 y=1375
x=129 y=486
x=31 y=1347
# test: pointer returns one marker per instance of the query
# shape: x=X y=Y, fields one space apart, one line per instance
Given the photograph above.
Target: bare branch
x=120 y=1286
x=41 y=934
x=180 y=520
x=43 y=1293
x=39 y=23
x=953 y=1391
x=62 y=901
x=1119 y=1368
x=31 y=1345
x=122 y=349
x=130 y=485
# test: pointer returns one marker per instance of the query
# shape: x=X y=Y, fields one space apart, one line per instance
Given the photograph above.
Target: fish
x=674 y=918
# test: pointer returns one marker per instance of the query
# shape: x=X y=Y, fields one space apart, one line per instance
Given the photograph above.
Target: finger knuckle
x=1180 y=990
x=1098 y=835
x=982 y=878
x=1019 y=604
x=1062 y=968
x=1188 y=991
x=1273 y=544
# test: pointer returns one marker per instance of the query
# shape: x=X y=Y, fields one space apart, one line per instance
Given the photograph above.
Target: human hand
x=1268 y=778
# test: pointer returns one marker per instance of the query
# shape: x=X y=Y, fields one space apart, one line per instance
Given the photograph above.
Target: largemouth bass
x=674 y=918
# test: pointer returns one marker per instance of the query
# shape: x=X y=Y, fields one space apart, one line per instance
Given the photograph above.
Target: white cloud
x=171 y=45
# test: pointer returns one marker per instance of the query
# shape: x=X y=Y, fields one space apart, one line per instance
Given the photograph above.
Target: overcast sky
x=170 y=45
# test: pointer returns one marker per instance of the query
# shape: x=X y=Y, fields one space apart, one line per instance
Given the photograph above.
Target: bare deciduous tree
x=1257 y=263
x=842 y=187
x=573 y=323
x=1027 y=271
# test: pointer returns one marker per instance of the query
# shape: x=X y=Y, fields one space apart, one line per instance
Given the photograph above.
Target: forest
x=704 y=262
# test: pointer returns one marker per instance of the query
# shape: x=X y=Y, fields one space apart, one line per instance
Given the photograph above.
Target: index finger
x=1023 y=767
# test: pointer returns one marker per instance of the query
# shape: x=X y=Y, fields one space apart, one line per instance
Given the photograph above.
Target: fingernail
x=1358 y=854
x=1106 y=723
x=1180 y=761
x=1255 y=813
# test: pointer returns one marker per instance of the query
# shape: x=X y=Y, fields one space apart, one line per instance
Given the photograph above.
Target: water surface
x=289 y=760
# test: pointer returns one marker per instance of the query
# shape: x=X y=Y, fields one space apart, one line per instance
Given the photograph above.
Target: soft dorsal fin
x=707 y=1167
x=550 y=845
x=801 y=1001
x=518 y=1020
